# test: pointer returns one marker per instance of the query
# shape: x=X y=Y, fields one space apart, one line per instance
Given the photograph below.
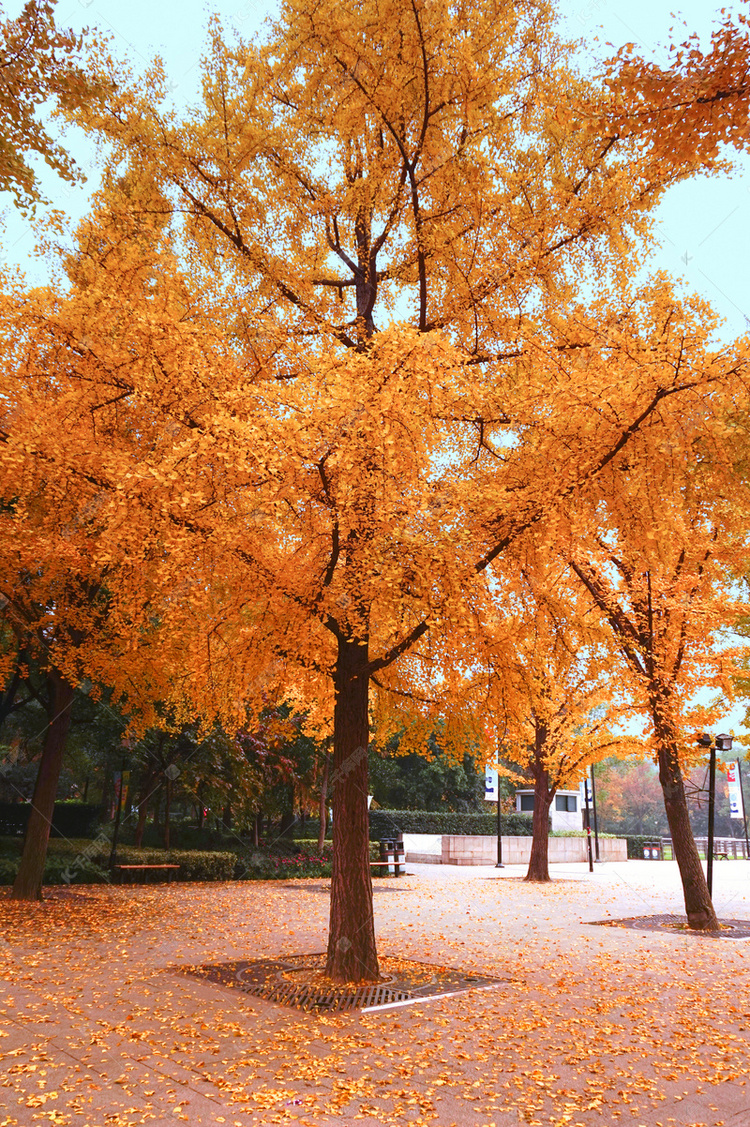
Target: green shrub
x=579 y=833
x=305 y=860
x=264 y=866
x=8 y=870
x=182 y=835
x=385 y=823
x=310 y=830
x=195 y=864
x=63 y=870
x=58 y=870
x=201 y=865
x=636 y=843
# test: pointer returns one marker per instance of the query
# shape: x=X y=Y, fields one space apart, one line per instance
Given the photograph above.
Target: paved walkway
x=588 y=1025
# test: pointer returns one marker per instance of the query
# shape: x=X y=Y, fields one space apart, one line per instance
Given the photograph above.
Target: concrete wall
x=561 y=820
x=424 y=849
x=476 y=850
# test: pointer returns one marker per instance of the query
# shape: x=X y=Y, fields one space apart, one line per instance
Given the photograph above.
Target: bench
x=719 y=856
x=169 y=869
x=397 y=867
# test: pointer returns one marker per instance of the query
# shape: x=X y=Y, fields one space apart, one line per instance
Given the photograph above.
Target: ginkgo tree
x=40 y=65
x=323 y=361
x=668 y=540
x=695 y=106
x=549 y=688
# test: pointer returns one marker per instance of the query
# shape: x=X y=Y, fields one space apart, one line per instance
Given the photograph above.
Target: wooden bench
x=399 y=870
x=719 y=856
x=169 y=869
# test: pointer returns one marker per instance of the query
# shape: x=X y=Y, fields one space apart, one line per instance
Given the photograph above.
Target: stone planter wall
x=469 y=850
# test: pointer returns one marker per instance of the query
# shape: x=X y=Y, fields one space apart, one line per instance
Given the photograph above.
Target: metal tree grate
x=297 y=980
x=678 y=925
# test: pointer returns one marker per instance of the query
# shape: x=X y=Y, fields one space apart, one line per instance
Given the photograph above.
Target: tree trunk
x=352 y=955
x=700 y=911
x=106 y=804
x=539 y=860
x=167 y=808
x=143 y=808
x=323 y=813
x=155 y=810
x=288 y=818
x=28 y=882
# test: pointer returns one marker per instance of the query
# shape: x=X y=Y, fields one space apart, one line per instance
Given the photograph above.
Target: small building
x=565 y=811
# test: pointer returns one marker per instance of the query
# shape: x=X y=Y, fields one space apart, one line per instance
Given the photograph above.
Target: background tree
x=51 y=603
x=629 y=798
x=436 y=780
x=550 y=691
x=672 y=534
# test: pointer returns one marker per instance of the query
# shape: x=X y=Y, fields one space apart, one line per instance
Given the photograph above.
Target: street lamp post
x=596 y=820
x=723 y=742
x=588 y=825
x=499 y=864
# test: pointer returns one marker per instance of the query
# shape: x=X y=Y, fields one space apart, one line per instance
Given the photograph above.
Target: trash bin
x=652 y=851
x=399 y=856
x=388 y=853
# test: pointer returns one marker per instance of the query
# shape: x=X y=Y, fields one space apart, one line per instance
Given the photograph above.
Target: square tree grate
x=678 y=925
x=299 y=981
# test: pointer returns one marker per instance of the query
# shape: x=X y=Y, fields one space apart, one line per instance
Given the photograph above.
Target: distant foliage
x=70 y=819
x=384 y=824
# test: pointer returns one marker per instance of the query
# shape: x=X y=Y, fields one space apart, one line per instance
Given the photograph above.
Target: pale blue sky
x=704 y=226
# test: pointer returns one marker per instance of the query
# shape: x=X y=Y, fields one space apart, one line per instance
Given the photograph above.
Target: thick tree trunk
x=700 y=911
x=28 y=882
x=352 y=955
x=539 y=860
x=323 y=813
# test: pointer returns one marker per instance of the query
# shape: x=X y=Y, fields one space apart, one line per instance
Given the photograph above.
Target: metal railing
x=729 y=847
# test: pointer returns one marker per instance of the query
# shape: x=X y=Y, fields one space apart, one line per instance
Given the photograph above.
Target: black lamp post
x=499 y=864
x=596 y=820
x=723 y=742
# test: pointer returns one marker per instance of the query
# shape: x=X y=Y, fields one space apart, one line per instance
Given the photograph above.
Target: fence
x=730 y=847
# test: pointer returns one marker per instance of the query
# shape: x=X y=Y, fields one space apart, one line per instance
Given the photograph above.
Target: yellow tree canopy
x=692 y=108
x=549 y=691
x=39 y=63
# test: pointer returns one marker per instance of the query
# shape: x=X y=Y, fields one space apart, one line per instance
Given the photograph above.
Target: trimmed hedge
x=258 y=864
x=384 y=823
x=636 y=843
x=195 y=864
x=90 y=864
x=57 y=870
x=70 y=819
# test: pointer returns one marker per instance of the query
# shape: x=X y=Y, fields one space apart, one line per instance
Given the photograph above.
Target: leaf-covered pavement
x=588 y=1025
